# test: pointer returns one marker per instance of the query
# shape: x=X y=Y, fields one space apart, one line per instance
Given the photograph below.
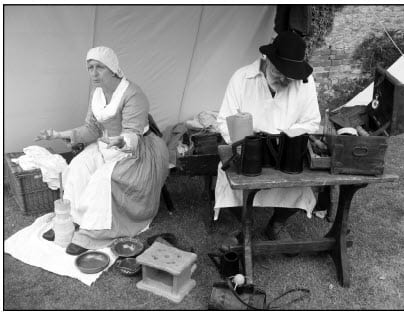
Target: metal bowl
x=92 y=262
x=127 y=247
x=128 y=266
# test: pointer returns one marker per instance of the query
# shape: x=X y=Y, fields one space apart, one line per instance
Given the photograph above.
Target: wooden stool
x=166 y=271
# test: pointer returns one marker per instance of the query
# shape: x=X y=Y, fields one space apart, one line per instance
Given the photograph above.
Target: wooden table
x=334 y=242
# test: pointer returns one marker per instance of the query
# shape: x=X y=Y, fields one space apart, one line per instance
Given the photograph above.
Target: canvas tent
x=181 y=56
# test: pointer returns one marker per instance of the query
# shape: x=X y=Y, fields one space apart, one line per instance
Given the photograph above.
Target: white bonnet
x=107 y=56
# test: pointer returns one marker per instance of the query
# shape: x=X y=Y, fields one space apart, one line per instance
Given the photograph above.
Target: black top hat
x=287 y=53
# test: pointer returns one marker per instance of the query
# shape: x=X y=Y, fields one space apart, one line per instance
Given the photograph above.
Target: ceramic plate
x=92 y=262
x=127 y=247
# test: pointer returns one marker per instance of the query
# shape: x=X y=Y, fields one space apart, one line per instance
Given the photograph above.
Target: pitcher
x=290 y=152
x=249 y=162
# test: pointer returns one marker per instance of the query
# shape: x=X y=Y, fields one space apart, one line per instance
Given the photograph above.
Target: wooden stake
x=61 y=186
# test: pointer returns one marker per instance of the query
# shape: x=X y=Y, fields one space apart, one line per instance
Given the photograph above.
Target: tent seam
x=190 y=63
x=93 y=43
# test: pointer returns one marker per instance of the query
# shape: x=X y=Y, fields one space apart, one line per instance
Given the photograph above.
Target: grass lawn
x=376 y=257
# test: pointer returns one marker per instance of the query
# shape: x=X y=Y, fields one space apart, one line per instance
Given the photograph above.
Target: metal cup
x=228 y=263
x=293 y=152
x=251 y=156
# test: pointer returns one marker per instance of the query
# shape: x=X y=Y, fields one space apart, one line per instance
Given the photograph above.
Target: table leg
x=167 y=199
x=248 y=197
x=209 y=193
x=339 y=231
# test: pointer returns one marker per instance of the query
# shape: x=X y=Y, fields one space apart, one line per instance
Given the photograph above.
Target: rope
x=387 y=33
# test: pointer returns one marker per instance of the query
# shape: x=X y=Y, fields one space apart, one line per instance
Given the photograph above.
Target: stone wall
x=333 y=61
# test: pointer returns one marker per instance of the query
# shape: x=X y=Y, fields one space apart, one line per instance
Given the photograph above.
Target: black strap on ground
x=305 y=294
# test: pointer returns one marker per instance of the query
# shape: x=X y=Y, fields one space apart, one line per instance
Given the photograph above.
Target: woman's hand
x=116 y=141
x=48 y=134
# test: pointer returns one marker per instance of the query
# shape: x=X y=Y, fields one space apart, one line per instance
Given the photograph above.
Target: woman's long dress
x=115 y=193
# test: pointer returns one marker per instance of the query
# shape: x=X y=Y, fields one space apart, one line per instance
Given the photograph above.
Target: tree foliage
x=379 y=50
x=372 y=51
x=321 y=25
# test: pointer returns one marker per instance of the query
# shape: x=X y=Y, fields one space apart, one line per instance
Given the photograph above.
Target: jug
x=251 y=156
x=270 y=147
x=289 y=153
x=227 y=263
x=249 y=162
x=267 y=158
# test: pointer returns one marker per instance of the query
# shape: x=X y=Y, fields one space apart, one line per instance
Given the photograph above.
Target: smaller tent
x=366 y=95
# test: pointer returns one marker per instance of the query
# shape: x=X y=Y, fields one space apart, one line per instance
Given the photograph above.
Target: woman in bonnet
x=114 y=184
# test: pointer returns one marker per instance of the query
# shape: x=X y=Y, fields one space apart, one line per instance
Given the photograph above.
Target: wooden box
x=32 y=195
x=198 y=165
x=206 y=143
x=362 y=155
x=315 y=161
x=204 y=158
x=167 y=271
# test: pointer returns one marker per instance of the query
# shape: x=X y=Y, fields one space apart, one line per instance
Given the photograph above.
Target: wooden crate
x=31 y=194
x=362 y=155
x=204 y=158
x=198 y=165
x=315 y=161
x=206 y=143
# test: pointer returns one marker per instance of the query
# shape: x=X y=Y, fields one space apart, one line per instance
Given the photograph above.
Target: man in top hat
x=279 y=92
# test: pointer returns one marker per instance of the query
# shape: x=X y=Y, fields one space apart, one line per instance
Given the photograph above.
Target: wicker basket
x=32 y=195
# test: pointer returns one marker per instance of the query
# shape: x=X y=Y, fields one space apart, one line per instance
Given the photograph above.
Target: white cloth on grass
x=28 y=246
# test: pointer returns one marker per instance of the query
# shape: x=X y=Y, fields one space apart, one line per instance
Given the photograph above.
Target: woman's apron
x=90 y=196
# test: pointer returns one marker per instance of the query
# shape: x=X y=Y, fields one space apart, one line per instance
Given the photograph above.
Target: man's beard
x=284 y=82
x=280 y=82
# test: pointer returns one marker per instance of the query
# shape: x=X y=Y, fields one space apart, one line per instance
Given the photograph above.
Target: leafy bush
x=374 y=50
x=343 y=92
x=379 y=50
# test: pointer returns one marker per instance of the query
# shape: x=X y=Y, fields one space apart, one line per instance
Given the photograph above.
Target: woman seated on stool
x=114 y=184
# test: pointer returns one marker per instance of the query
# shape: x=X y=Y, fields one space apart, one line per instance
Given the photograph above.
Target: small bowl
x=127 y=247
x=92 y=262
x=128 y=266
